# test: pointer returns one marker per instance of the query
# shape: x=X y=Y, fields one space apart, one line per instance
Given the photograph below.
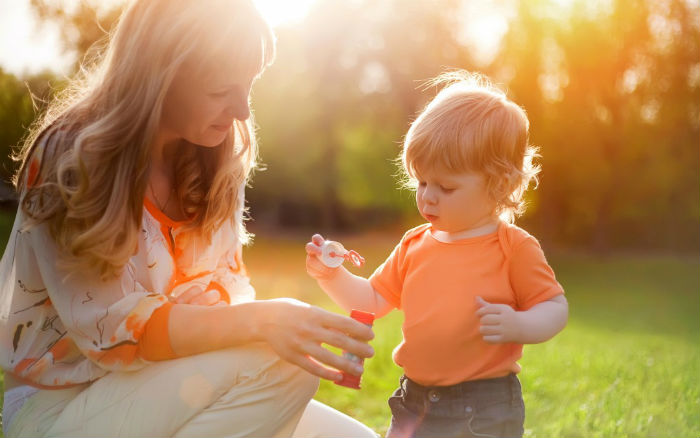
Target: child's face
x=454 y=202
x=201 y=110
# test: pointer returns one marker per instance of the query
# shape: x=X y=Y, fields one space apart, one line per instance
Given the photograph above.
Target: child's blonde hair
x=93 y=144
x=471 y=126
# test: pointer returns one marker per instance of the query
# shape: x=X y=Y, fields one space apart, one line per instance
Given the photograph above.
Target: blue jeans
x=477 y=408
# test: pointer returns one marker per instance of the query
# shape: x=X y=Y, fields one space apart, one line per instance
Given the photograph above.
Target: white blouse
x=59 y=329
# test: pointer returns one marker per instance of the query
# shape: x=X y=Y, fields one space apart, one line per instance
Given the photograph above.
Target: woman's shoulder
x=41 y=152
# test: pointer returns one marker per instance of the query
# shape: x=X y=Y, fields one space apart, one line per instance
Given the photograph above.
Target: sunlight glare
x=280 y=12
x=483 y=26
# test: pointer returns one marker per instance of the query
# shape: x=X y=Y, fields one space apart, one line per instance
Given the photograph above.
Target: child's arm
x=349 y=291
x=501 y=323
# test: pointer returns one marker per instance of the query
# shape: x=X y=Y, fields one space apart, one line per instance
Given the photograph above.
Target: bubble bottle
x=351 y=380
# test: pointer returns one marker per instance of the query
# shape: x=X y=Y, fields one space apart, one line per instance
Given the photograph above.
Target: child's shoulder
x=512 y=236
x=415 y=233
x=414 y=236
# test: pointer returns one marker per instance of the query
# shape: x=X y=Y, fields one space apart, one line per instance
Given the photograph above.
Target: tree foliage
x=612 y=90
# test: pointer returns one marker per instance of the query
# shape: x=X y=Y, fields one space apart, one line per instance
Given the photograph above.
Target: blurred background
x=612 y=90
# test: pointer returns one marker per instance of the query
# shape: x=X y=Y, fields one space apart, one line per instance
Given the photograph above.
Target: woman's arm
x=117 y=323
x=295 y=330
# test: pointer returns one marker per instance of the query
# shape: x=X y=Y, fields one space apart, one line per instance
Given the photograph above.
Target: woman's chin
x=209 y=141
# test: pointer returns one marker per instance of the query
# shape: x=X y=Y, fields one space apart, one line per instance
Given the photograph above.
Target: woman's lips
x=221 y=128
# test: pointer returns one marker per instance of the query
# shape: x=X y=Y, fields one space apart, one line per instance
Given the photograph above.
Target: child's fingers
x=491 y=309
x=318 y=239
x=313 y=263
x=481 y=302
x=313 y=249
x=488 y=330
x=316 y=268
x=493 y=339
x=490 y=319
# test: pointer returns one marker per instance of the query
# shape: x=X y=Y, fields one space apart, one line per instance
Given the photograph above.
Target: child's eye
x=446 y=189
x=219 y=94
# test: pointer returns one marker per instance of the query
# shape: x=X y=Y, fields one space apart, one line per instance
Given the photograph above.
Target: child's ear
x=505 y=185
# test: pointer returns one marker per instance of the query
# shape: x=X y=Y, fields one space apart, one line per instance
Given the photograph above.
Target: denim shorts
x=477 y=408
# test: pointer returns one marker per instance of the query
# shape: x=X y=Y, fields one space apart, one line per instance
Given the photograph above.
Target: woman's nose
x=238 y=107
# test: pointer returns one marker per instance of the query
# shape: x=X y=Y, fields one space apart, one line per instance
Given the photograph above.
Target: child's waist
x=499 y=388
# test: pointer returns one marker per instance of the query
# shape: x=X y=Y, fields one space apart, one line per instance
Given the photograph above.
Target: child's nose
x=429 y=196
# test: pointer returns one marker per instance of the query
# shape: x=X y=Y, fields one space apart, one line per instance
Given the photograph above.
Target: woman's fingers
x=296 y=331
x=187 y=296
x=345 y=324
x=314 y=367
x=207 y=298
x=344 y=342
x=325 y=356
x=195 y=295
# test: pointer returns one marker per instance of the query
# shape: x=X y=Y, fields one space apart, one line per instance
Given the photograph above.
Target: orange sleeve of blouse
x=154 y=344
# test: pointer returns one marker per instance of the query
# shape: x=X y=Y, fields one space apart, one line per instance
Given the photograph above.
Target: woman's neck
x=163 y=152
x=161 y=179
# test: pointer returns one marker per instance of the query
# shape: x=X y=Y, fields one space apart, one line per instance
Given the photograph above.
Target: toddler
x=473 y=287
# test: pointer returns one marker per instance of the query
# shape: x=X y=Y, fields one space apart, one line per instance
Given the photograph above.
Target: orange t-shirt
x=435 y=284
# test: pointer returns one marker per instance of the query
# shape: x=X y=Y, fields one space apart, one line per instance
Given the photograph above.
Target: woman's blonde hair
x=471 y=126
x=93 y=143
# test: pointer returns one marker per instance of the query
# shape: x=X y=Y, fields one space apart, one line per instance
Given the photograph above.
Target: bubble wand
x=333 y=254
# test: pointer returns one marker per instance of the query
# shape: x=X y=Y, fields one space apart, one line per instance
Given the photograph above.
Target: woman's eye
x=219 y=94
x=422 y=184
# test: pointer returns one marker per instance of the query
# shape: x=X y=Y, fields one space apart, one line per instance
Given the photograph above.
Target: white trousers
x=246 y=391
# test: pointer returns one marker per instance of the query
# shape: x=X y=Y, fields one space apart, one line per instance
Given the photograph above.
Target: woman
x=126 y=308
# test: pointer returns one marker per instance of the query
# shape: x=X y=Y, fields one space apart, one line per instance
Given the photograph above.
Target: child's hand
x=499 y=322
x=314 y=266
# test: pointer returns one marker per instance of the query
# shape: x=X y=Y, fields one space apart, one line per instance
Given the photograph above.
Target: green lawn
x=627 y=365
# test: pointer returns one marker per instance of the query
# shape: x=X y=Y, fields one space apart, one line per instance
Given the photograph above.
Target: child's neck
x=481 y=230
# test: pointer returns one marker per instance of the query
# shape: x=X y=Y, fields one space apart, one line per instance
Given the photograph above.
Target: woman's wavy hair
x=85 y=162
x=471 y=126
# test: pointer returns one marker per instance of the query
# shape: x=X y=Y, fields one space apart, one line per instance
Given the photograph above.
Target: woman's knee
x=301 y=383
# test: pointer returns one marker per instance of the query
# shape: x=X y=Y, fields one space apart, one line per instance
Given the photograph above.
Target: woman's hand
x=197 y=296
x=296 y=331
x=314 y=266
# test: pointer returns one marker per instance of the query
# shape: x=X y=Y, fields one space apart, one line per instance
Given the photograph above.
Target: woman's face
x=202 y=109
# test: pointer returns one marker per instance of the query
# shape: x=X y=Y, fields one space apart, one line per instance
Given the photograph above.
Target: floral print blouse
x=59 y=329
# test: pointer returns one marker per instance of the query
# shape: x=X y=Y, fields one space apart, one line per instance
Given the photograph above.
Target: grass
x=627 y=365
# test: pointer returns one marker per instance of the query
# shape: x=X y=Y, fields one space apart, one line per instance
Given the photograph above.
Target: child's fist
x=314 y=266
x=499 y=322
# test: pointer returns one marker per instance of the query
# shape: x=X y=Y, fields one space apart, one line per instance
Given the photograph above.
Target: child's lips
x=430 y=217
